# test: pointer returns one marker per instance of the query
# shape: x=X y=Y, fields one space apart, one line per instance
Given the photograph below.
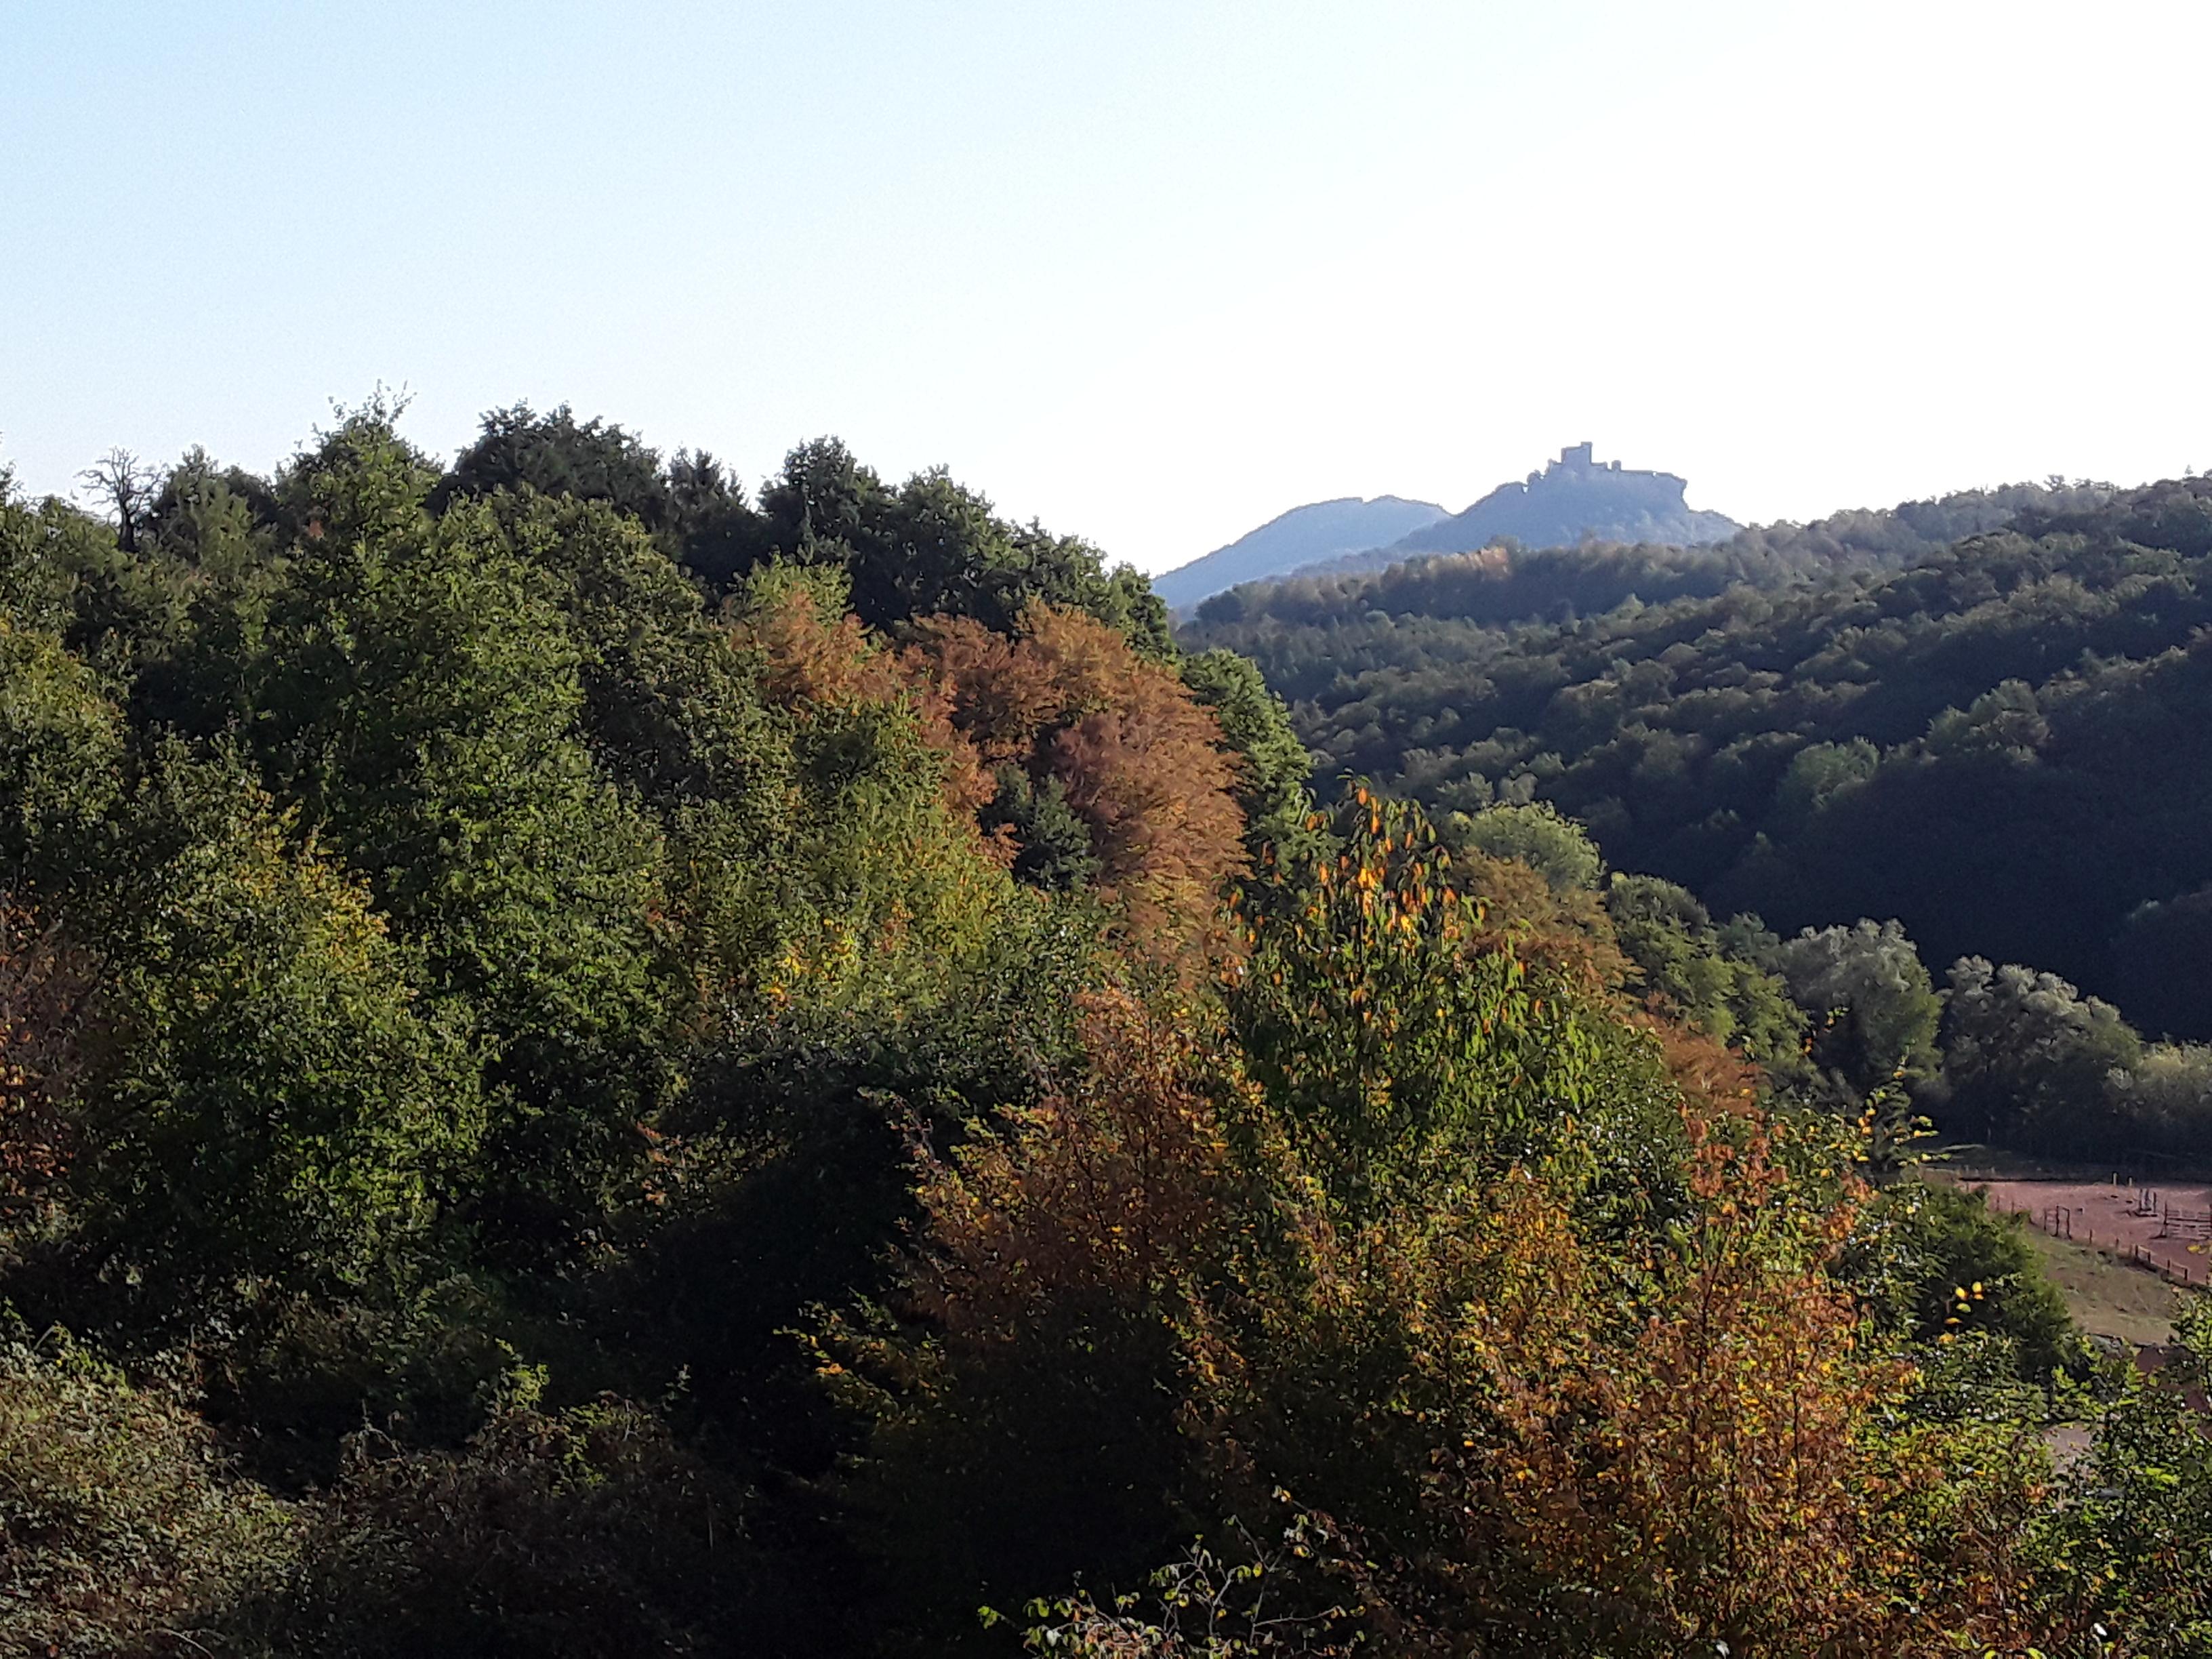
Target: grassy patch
x=2106 y=1297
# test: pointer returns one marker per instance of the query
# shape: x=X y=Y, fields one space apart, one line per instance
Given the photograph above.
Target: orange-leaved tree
x=1536 y=1329
x=1066 y=704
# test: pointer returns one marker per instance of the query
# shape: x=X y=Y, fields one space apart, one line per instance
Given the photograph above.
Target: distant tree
x=1537 y=835
x=555 y=455
x=126 y=485
x=2029 y=1060
x=1819 y=774
x=2162 y=964
x=1274 y=766
x=209 y=516
x=1873 y=1007
x=2163 y=1102
x=718 y=535
x=1687 y=963
x=932 y=546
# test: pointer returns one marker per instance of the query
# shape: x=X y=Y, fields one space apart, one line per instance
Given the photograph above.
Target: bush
x=118 y=1520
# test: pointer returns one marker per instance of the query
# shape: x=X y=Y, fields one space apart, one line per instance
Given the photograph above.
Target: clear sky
x=1152 y=272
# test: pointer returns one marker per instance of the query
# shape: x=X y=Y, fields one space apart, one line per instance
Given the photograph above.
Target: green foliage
x=278 y=1104
x=1273 y=765
x=1875 y=1009
x=933 y=546
x=1685 y=961
x=1534 y=835
x=671 y=707
x=486 y=949
x=418 y=691
x=2028 y=1060
x=121 y=1531
x=2163 y=1102
x=1055 y=844
x=1821 y=775
x=2126 y=1560
x=1404 y=1060
x=1945 y=1268
x=61 y=743
x=555 y=454
x=1927 y=725
x=581 y=1534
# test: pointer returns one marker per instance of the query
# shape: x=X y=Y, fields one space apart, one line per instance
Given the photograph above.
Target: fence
x=2185 y=1223
x=2057 y=1220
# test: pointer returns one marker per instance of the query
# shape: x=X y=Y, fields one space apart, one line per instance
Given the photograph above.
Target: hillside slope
x=1302 y=536
x=1575 y=499
x=2005 y=745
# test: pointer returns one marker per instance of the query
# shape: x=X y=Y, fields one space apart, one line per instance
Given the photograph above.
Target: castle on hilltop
x=1578 y=457
x=1575 y=499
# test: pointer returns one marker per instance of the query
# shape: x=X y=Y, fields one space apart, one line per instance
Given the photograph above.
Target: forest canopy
x=603 y=1064
x=1868 y=726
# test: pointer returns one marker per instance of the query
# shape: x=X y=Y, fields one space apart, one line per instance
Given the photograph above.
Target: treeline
x=2002 y=744
x=1507 y=583
x=1848 y=1018
x=599 y=1066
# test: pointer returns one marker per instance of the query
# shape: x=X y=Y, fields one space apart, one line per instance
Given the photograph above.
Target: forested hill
x=1507 y=582
x=1575 y=499
x=2005 y=743
x=1304 y=536
x=600 y=1065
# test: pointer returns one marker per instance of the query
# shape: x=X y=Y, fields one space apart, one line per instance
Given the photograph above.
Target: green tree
x=1685 y=961
x=1536 y=835
x=61 y=744
x=2029 y=1060
x=1273 y=767
x=1874 y=1009
x=418 y=692
x=555 y=455
x=1942 y=1265
x=280 y=1103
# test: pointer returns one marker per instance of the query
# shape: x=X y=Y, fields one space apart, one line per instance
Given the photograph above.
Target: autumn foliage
x=1066 y=699
x=1343 y=1260
x=1066 y=702
x=41 y=999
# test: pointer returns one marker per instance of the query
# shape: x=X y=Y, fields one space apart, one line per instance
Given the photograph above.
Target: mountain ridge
x=1567 y=501
x=1311 y=534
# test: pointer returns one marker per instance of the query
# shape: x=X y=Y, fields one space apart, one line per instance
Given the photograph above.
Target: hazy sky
x=1153 y=272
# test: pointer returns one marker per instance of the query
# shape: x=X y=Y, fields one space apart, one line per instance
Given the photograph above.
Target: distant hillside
x=1573 y=499
x=2005 y=743
x=1302 y=536
x=1502 y=584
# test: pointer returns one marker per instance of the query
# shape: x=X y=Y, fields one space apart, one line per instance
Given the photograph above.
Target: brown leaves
x=42 y=992
x=1106 y=1187
x=1142 y=763
x=815 y=661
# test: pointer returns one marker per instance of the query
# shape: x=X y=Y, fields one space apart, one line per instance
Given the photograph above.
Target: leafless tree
x=127 y=485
